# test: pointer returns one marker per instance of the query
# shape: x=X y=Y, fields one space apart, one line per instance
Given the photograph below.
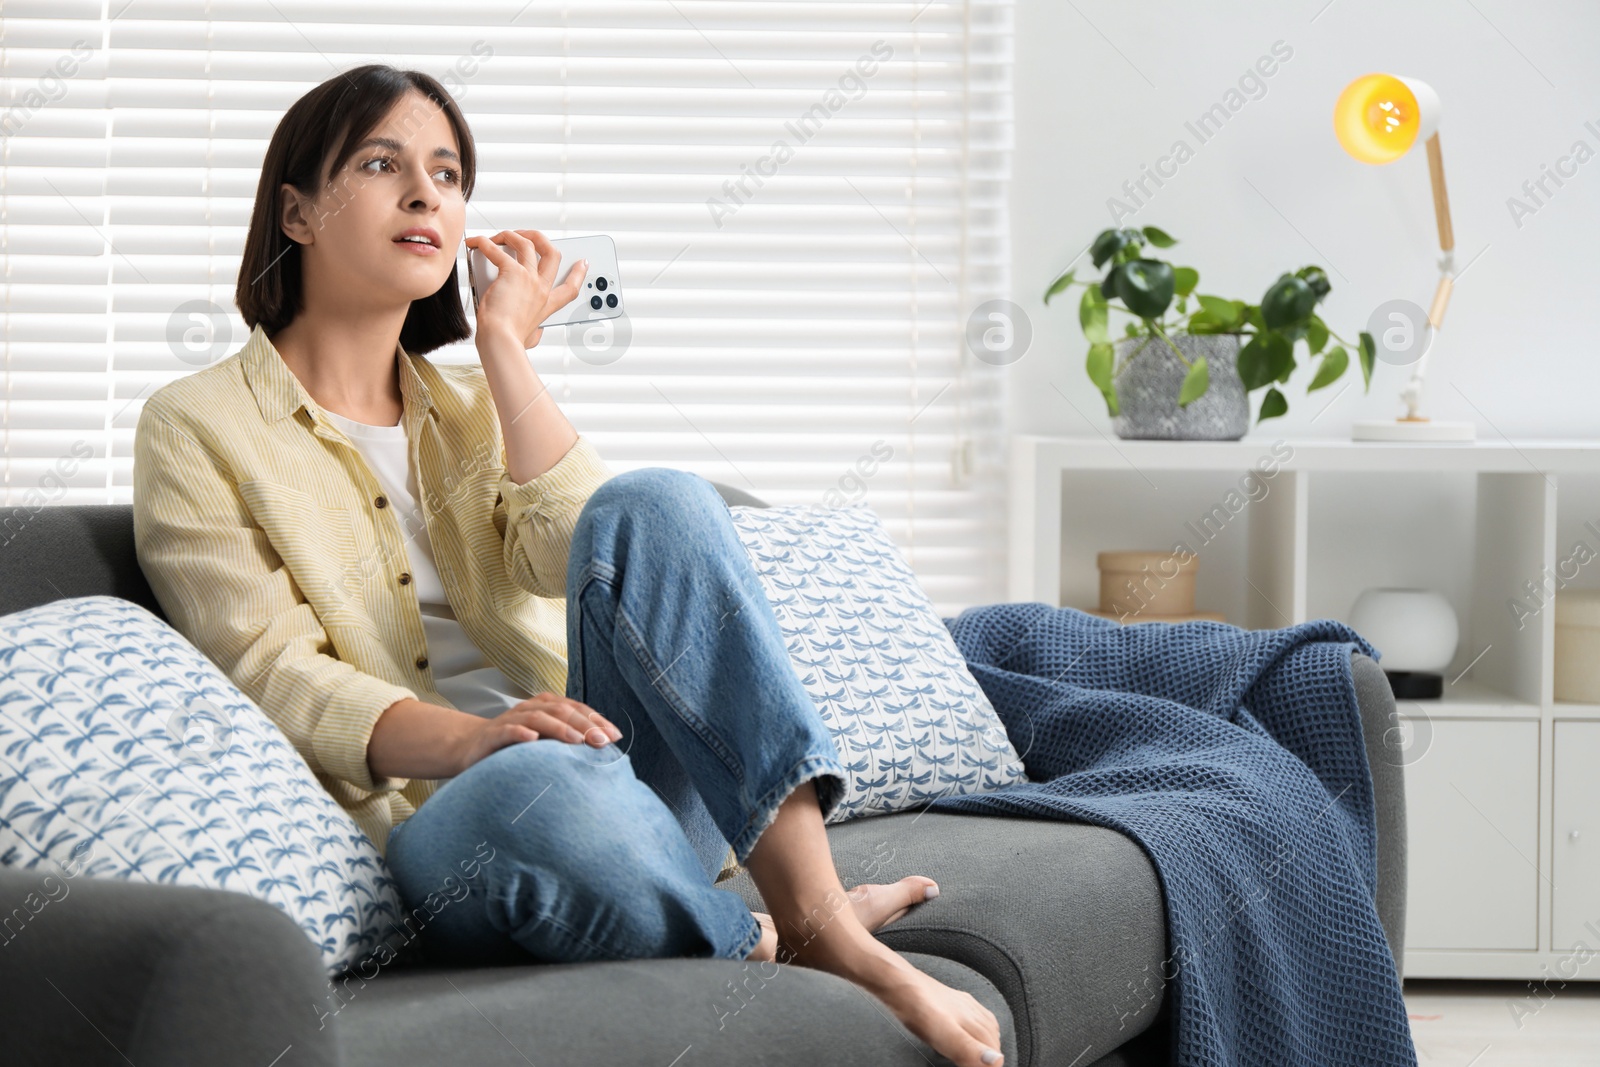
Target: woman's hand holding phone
x=522 y=296
x=544 y=716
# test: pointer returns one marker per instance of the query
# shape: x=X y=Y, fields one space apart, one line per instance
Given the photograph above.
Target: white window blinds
x=808 y=201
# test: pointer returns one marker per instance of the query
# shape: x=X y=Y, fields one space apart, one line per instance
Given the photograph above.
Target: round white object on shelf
x=1415 y=629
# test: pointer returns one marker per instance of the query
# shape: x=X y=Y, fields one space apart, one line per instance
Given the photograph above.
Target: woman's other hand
x=543 y=716
x=523 y=296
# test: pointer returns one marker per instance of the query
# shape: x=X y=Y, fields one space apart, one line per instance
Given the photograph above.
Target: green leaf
x=1107 y=287
x=1131 y=329
x=1288 y=301
x=1272 y=405
x=1092 y=316
x=1280 y=356
x=1110 y=242
x=1058 y=286
x=1317 y=278
x=1265 y=359
x=1145 y=286
x=1224 y=313
x=1252 y=315
x=1369 y=355
x=1333 y=367
x=1195 y=383
x=1158 y=237
x=1101 y=357
x=1252 y=364
x=1316 y=334
x=1184 y=280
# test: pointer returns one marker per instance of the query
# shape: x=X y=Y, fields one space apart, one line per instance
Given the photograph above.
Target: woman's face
x=385 y=228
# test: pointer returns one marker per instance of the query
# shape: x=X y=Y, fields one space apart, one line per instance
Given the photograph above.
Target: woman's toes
x=980 y=1039
x=987 y=1035
x=766 y=949
x=910 y=891
x=879 y=905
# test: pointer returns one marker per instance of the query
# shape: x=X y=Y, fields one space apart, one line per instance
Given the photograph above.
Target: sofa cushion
x=662 y=1012
x=1067 y=920
x=909 y=720
x=50 y=553
x=125 y=753
x=108 y=973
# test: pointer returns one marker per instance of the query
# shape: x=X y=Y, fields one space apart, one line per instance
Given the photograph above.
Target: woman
x=403 y=563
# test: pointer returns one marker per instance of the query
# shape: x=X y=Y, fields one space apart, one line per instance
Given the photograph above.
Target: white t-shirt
x=461 y=672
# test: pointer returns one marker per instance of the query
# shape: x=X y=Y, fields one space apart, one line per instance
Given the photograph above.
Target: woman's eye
x=452 y=175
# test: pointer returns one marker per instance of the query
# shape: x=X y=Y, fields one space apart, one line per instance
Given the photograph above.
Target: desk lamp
x=1378 y=119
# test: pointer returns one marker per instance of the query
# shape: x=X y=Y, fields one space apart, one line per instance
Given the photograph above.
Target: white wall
x=1103 y=88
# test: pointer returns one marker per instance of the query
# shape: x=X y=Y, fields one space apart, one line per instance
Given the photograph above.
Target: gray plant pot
x=1147 y=390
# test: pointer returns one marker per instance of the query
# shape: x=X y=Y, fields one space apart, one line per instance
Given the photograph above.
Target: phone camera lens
x=594 y=302
x=600 y=284
x=611 y=300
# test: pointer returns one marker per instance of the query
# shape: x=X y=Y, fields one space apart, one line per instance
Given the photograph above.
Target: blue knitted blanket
x=1235 y=759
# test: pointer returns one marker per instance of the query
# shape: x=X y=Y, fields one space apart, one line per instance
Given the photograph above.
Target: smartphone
x=601 y=296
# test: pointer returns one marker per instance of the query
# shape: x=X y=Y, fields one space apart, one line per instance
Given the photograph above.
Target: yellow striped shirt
x=269 y=545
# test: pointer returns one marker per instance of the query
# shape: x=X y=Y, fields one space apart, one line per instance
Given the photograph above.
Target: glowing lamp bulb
x=1379 y=117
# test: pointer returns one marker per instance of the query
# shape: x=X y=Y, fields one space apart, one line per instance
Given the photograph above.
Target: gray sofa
x=1058 y=928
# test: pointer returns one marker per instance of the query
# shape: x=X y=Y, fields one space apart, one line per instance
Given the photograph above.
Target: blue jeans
x=580 y=853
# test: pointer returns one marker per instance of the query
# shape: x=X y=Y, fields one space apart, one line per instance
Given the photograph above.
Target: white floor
x=1504 y=1024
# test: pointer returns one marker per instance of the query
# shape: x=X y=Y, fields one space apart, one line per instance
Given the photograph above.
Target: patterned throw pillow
x=909 y=720
x=125 y=753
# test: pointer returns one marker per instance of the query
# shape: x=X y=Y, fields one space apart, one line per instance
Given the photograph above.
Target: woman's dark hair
x=314 y=139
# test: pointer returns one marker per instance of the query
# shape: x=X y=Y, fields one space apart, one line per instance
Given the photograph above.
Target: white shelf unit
x=1503 y=798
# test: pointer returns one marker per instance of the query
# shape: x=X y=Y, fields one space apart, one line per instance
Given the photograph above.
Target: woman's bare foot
x=766 y=949
x=875 y=905
x=817 y=926
x=950 y=1020
x=879 y=905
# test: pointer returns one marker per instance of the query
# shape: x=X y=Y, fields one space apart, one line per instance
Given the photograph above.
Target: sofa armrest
x=1386 y=757
x=98 y=971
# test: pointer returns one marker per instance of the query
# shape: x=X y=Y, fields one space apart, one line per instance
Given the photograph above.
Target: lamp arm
x=1412 y=393
x=1441 y=198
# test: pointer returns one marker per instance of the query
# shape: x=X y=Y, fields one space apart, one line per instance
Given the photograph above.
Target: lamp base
x=1412 y=430
x=1415 y=685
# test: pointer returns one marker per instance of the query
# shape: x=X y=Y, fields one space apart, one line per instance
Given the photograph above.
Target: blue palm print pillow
x=909 y=720
x=125 y=753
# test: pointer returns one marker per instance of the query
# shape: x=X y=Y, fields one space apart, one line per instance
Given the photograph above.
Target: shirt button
x=405 y=578
x=382 y=502
x=422 y=663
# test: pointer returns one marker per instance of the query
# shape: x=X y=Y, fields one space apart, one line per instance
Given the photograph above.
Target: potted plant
x=1188 y=361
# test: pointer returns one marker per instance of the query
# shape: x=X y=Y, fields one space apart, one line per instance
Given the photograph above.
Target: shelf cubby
x=1492 y=813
